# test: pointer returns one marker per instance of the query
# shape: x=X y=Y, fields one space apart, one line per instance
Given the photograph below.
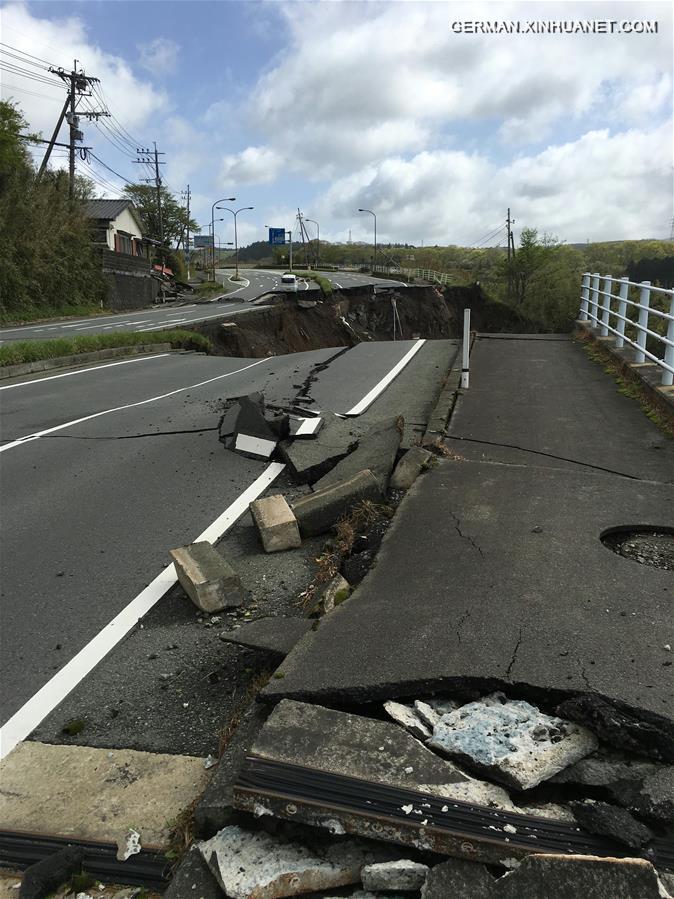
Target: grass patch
x=628 y=385
x=47 y=313
x=21 y=351
x=323 y=283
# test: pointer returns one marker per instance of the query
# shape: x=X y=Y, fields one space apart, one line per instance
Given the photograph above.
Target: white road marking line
x=33 y=712
x=76 y=421
x=84 y=371
x=337 y=285
x=370 y=397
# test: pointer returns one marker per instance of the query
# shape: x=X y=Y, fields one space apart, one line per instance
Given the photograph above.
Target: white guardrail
x=425 y=274
x=630 y=321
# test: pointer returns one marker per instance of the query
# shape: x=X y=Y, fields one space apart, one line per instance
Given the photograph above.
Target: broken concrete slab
x=216 y=808
x=376 y=451
x=112 y=788
x=408 y=718
x=250 y=864
x=606 y=769
x=461 y=879
x=403 y=874
x=309 y=460
x=410 y=467
x=208 y=579
x=276 y=523
x=248 y=428
x=511 y=740
x=193 y=878
x=276 y=635
x=319 y=511
x=652 y=797
x=562 y=876
x=611 y=821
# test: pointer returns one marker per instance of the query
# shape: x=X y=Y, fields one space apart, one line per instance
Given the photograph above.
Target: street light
x=236 y=240
x=374 y=258
x=223 y=200
x=318 y=231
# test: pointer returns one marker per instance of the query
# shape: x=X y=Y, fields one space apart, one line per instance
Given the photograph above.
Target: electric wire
x=25 y=52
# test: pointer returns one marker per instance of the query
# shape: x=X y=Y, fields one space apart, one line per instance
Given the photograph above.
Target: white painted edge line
x=33 y=712
x=76 y=421
x=84 y=371
x=370 y=397
x=308 y=426
x=248 y=443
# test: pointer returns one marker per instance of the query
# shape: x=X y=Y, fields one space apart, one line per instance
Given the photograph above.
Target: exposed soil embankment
x=293 y=323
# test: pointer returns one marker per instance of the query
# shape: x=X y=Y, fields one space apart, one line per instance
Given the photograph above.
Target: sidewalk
x=493 y=573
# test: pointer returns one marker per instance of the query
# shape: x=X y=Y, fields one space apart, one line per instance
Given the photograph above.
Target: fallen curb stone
x=209 y=581
x=410 y=467
x=318 y=512
x=276 y=523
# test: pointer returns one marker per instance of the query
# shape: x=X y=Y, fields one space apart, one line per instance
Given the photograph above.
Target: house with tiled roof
x=117 y=225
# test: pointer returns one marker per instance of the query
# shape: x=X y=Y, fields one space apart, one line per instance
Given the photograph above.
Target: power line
x=24 y=52
x=105 y=165
x=24 y=90
x=489 y=237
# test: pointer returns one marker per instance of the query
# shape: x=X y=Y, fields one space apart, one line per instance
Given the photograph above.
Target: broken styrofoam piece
x=407 y=717
x=511 y=740
x=208 y=579
x=129 y=846
x=276 y=523
x=399 y=875
x=256 y=865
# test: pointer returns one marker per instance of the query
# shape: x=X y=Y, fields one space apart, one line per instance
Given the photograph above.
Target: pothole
x=645 y=544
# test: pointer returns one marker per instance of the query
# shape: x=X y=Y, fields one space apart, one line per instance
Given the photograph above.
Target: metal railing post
x=593 y=304
x=584 y=295
x=644 y=303
x=606 y=305
x=667 y=376
x=465 y=359
x=622 y=311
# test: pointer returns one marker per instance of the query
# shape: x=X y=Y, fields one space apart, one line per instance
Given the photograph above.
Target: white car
x=288 y=278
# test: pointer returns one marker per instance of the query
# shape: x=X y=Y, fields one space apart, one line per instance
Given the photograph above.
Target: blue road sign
x=277 y=236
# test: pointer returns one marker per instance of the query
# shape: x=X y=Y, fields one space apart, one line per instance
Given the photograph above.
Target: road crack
x=467 y=537
x=514 y=655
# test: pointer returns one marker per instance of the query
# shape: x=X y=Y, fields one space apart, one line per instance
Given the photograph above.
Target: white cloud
x=159 y=56
x=602 y=186
x=254 y=165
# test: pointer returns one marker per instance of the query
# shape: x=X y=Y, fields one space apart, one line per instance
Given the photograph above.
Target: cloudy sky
x=331 y=106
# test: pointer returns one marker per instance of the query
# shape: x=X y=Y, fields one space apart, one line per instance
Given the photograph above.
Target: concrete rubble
x=376 y=451
x=399 y=875
x=317 y=512
x=276 y=524
x=336 y=592
x=247 y=427
x=511 y=740
x=611 y=821
x=208 y=579
x=409 y=718
x=251 y=864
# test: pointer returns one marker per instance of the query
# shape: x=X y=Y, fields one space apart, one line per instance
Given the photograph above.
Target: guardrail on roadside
x=425 y=274
x=595 y=306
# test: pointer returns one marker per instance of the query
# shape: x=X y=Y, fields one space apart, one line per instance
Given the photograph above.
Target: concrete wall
x=130 y=284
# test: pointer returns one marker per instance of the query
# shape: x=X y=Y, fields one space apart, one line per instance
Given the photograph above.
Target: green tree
x=174 y=214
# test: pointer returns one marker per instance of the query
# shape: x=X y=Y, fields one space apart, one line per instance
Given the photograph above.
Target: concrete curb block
x=29 y=368
x=443 y=408
x=646 y=376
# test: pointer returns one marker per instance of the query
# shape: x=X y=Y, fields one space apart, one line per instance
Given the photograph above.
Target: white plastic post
x=622 y=311
x=584 y=295
x=606 y=305
x=644 y=303
x=667 y=376
x=465 y=361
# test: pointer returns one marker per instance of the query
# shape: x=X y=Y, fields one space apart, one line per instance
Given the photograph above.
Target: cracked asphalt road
x=89 y=516
x=542 y=605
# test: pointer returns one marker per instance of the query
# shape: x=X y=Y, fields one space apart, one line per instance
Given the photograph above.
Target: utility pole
x=147 y=159
x=187 y=195
x=77 y=83
x=511 y=251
